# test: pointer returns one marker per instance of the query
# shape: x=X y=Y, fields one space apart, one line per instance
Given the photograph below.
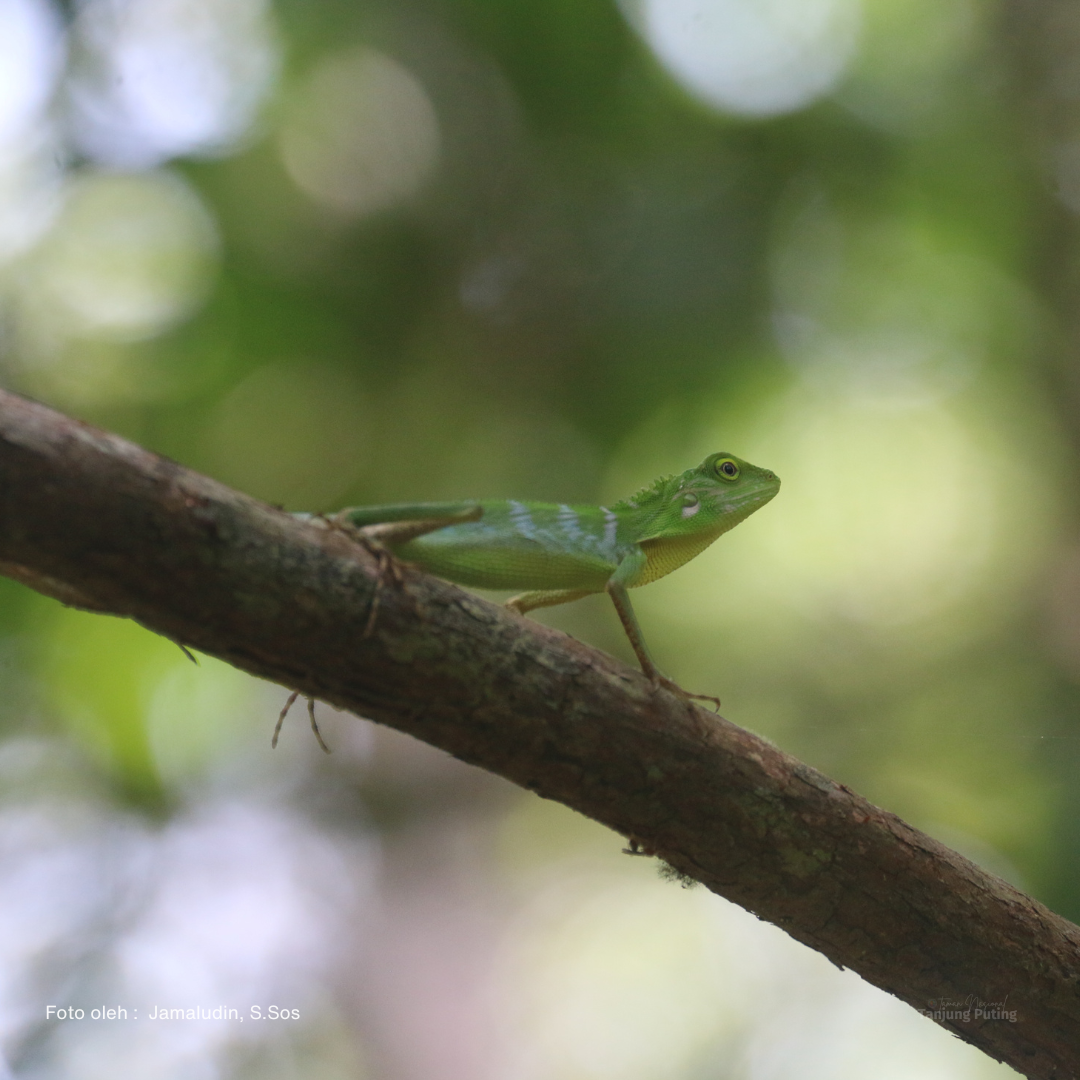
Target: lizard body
x=560 y=553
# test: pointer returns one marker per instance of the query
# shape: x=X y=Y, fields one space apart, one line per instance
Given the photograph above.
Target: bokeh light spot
x=30 y=52
x=910 y=51
x=155 y=79
x=752 y=57
x=128 y=257
x=897 y=309
x=918 y=518
x=31 y=181
x=362 y=135
x=594 y=998
x=896 y=508
x=293 y=432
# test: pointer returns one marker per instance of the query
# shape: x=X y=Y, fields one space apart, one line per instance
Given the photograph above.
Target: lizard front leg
x=626 y=574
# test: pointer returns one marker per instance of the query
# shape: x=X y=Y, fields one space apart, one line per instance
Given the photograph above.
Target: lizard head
x=722 y=491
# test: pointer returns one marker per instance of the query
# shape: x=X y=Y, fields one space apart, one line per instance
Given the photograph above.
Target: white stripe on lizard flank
x=611 y=527
x=522 y=519
x=570 y=521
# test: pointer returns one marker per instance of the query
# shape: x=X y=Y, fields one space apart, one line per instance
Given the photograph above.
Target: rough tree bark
x=98 y=522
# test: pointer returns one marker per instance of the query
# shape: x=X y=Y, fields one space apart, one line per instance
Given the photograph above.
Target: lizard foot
x=388 y=566
x=369 y=539
x=285 y=712
x=679 y=692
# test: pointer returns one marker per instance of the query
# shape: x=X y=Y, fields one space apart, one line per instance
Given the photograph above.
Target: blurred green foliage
x=601 y=277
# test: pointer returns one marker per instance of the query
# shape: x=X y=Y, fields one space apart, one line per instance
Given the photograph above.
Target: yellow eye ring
x=726 y=469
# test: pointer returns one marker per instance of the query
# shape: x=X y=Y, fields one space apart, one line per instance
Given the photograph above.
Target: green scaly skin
x=561 y=553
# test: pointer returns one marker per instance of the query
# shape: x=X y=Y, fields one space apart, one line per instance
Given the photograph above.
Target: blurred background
x=334 y=252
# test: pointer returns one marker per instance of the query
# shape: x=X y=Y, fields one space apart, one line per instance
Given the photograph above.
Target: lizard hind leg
x=526 y=601
x=380 y=537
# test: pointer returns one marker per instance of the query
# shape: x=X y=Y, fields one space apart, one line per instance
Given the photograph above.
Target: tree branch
x=100 y=523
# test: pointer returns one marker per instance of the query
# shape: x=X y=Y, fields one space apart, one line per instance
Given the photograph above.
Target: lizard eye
x=726 y=469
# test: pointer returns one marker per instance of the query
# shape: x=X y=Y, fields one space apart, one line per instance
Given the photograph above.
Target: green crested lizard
x=560 y=553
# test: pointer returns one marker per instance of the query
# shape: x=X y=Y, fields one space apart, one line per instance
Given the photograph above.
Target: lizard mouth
x=745 y=502
x=759 y=493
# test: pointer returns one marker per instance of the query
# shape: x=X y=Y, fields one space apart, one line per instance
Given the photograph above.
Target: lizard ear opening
x=726 y=469
x=691 y=504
